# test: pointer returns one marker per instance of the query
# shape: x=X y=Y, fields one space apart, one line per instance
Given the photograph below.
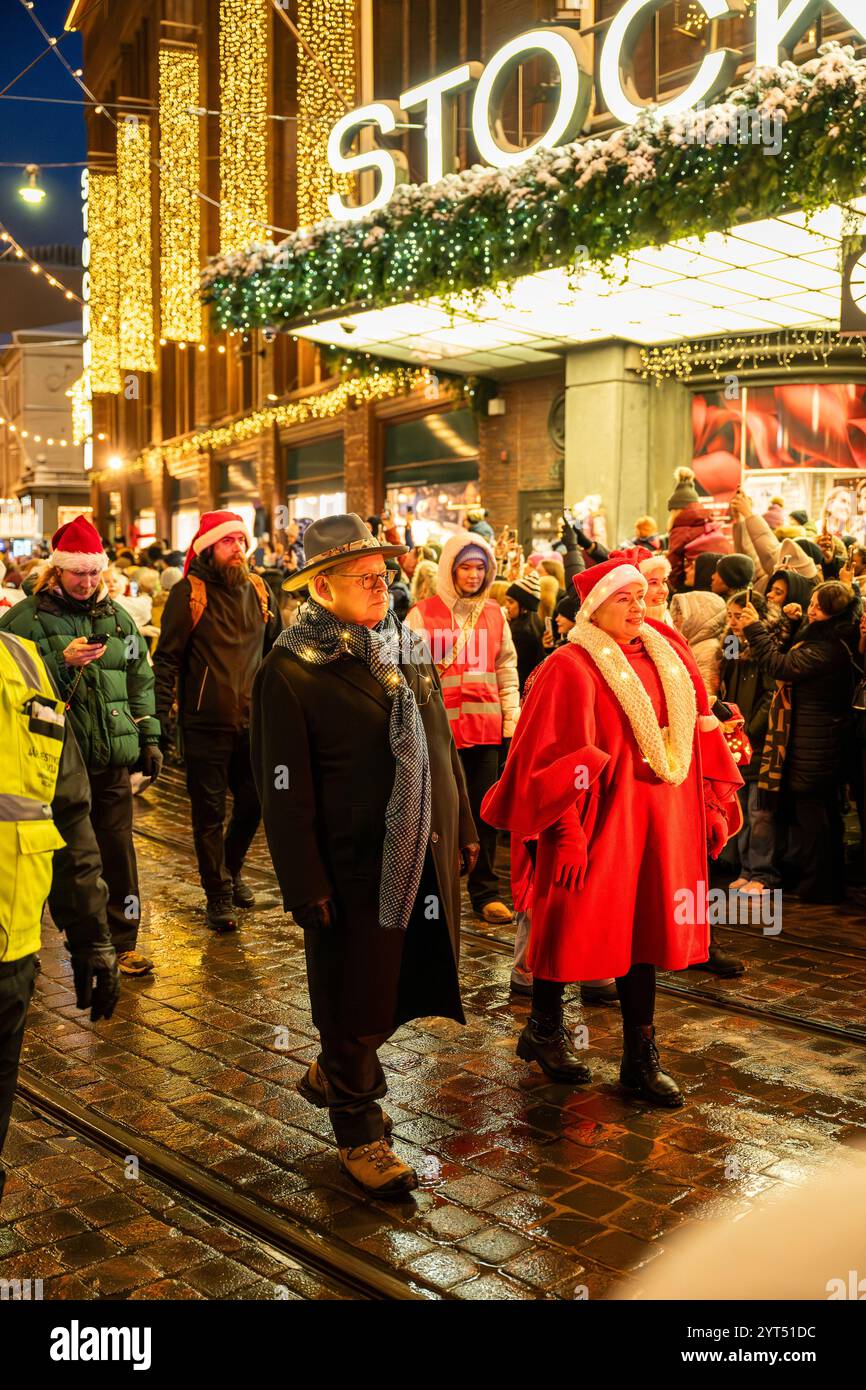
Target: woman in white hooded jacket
x=701 y=618
x=473 y=650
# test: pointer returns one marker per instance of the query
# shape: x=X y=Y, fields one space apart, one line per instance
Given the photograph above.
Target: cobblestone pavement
x=76 y=1227
x=529 y=1189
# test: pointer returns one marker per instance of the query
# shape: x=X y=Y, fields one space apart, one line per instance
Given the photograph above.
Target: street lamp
x=30 y=192
x=115 y=463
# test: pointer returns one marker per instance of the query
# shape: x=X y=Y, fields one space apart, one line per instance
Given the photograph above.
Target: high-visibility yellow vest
x=32 y=725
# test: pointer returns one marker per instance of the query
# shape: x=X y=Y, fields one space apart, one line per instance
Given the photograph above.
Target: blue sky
x=33 y=132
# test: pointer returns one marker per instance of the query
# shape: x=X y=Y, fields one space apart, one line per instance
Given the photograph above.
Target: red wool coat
x=646 y=838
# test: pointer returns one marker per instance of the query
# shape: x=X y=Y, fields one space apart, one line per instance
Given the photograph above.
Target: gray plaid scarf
x=319 y=638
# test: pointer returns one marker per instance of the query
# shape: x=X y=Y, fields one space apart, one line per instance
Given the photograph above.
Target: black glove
x=582 y=538
x=97 y=982
x=320 y=913
x=150 y=761
x=568 y=534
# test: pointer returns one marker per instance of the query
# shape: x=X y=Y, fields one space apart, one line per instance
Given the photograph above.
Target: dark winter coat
x=821 y=670
x=112 y=709
x=210 y=669
x=327 y=726
x=527 y=631
x=749 y=686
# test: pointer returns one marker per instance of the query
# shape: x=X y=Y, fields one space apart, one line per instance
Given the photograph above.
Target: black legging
x=636 y=990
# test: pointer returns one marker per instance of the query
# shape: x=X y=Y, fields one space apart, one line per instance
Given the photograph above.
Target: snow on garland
x=655 y=181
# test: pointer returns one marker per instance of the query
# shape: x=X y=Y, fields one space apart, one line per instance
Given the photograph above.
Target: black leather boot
x=242 y=895
x=641 y=1071
x=720 y=962
x=220 y=915
x=545 y=1040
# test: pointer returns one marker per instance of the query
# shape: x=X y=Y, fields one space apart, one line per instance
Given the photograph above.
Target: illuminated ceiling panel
x=782 y=272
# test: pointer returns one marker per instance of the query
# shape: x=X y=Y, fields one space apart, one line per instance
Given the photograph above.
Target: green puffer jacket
x=112 y=707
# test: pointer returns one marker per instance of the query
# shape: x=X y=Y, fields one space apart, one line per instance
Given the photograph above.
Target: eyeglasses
x=370 y=581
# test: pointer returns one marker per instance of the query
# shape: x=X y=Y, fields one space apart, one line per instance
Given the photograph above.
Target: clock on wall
x=852 y=311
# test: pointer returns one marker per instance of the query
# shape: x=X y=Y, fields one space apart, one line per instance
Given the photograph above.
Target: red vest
x=470 y=687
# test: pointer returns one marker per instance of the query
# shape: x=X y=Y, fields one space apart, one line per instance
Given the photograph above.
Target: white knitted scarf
x=668 y=751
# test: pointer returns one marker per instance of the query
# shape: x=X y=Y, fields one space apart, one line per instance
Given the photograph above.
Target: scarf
x=775 y=747
x=668 y=751
x=319 y=638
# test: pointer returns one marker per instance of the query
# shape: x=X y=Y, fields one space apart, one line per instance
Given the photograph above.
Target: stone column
x=624 y=436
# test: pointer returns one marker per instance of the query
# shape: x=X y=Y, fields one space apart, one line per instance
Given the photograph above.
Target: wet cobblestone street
x=528 y=1189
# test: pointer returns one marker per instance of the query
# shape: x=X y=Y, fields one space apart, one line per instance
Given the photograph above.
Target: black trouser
x=17 y=980
x=218 y=762
x=481 y=769
x=822 y=849
x=354 y=1081
x=636 y=990
x=111 y=818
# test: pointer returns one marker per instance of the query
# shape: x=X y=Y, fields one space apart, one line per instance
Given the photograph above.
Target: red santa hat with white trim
x=598 y=583
x=77 y=545
x=649 y=562
x=213 y=527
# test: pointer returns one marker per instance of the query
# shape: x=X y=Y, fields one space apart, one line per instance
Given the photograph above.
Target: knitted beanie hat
x=685 y=490
x=736 y=571
x=526 y=591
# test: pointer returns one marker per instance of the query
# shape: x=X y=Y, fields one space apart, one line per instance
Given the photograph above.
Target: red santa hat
x=649 y=562
x=77 y=545
x=213 y=527
x=596 y=584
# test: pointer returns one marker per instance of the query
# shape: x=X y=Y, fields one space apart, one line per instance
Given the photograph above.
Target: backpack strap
x=262 y=592
x=197 y=599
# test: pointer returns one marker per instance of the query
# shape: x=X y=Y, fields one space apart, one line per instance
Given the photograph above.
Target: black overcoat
x=324 y=769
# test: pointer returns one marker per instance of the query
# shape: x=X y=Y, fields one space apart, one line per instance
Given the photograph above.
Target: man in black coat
x=369 y=827
x=217 y=624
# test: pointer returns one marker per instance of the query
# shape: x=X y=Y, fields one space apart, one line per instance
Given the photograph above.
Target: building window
x=178 y=390
x=315 y=484
x=804 y=442
x=431 y=473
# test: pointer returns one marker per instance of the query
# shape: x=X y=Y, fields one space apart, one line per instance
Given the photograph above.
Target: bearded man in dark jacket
x=369 y=827
x=219 y=621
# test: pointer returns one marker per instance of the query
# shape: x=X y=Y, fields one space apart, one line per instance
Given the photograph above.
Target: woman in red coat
x=618 y=781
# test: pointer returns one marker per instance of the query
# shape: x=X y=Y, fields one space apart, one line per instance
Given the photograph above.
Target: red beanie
x=77 y=544
x=213 y=527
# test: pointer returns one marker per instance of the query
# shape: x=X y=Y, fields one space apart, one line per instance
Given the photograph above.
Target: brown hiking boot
x=497 y=913
x=311 y=1088
x=377 y=1169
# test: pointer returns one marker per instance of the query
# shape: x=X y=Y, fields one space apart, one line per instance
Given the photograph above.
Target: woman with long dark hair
x=808 y=743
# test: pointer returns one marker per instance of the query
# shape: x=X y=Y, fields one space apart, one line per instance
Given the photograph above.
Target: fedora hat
x=332 y=541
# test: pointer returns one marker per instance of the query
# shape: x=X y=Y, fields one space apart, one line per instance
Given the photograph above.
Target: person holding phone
x=99 y=664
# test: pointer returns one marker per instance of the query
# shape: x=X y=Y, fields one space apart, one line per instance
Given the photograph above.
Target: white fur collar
x=668 y=751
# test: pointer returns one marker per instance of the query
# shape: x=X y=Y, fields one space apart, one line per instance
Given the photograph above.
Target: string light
x=8 y=239
x=357 y=391
x=243 y=123
x=179 y=208
x=707 y=357
x=102 y=316
x=328 y=27
x=137 y=348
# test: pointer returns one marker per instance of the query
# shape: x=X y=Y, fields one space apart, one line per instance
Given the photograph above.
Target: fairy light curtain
x=243 y=123
x=179 y=204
